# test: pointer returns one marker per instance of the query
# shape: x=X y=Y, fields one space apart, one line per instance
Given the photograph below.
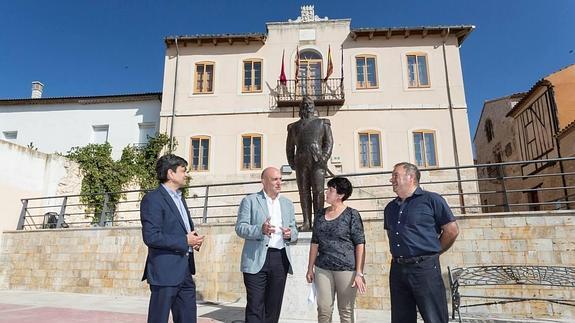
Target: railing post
x=22 y=215
x=501 y=172
x=205 y=215
x=62 y=211
x=104 y=210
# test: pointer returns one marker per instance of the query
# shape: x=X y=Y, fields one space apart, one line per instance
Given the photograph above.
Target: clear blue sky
x=89 y=47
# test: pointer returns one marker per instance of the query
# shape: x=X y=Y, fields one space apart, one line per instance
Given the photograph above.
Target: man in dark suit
x=266 y=221
x=169 y=233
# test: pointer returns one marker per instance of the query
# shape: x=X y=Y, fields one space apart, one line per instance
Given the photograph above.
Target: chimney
x=37 y=88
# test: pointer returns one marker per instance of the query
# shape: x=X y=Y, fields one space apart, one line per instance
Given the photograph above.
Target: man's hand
x=194 y=240
x=286 y=233
x=267 y=228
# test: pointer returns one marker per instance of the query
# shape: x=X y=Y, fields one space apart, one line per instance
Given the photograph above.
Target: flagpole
x=342 y=63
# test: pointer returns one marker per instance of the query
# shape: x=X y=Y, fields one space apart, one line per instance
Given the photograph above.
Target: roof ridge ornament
x=308 y=15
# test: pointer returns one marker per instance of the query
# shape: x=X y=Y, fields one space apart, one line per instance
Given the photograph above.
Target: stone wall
x=111 y=260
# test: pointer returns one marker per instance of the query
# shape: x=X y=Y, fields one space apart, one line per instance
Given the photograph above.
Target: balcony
x=324 y=92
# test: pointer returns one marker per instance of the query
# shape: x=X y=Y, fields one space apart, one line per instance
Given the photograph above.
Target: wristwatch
x=360 y=274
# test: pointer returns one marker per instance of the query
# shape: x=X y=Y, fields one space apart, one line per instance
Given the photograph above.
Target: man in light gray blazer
x=266 y=221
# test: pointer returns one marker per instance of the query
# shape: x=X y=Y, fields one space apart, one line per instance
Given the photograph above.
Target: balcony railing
x=323 y=92
x=502 y=191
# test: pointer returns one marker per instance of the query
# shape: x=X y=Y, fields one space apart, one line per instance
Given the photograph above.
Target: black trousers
x=418 y=286
x=181 y=300
x=265 y=289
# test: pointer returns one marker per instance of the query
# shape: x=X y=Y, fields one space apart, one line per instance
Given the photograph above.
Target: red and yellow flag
x=329 y=64
x=283 y=79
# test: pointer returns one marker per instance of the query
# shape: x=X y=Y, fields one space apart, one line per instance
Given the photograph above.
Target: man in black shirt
x=420 y=226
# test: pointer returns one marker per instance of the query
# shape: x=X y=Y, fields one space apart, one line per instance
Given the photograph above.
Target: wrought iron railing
x=323 y=92
x=479 y=191
x=487 y=276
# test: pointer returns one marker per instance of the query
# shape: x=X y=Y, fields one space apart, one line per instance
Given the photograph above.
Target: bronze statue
x=308 y=148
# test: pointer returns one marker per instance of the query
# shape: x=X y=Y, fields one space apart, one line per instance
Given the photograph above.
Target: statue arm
x=290 y=147
x=327 y=145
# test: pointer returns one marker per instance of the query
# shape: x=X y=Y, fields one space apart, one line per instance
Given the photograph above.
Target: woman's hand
x=359 y=283
x=309 y=276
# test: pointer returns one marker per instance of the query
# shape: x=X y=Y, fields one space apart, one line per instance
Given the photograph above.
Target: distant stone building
x=535 y=126
x=495 y=142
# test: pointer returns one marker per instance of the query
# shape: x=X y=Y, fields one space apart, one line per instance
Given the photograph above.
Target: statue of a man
x=308 y=148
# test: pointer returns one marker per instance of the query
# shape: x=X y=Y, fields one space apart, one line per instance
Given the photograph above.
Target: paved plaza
x=50 y=307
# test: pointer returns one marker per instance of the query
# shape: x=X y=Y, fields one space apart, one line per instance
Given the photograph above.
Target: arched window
x=309 y=72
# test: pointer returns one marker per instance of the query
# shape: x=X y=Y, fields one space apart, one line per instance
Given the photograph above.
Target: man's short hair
x=410 y=169
x=342 y=186
x=167 y=162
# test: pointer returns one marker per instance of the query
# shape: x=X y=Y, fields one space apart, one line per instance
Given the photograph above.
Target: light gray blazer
x=252 y=213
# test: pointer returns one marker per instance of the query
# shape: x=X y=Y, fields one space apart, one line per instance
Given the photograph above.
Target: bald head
x=272 y=181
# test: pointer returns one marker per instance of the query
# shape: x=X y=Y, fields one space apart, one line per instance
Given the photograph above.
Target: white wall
x=59 y=127
x=26 y=173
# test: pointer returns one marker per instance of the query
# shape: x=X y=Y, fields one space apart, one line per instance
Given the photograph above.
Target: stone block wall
x=111 y=260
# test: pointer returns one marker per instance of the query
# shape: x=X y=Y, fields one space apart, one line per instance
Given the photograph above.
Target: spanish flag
x=329 y=64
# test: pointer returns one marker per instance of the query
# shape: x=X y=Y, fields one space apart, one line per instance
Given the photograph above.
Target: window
x=366 y=72
x=200 y=154
x=204 y=79
x=533 y=198
x=489 y=130
x=417 y=71
x=251 y=151
x=252 y=76
x=425 y=150
x=100 y=134
x=10 y=135
x=147 y=131
x=369 y=149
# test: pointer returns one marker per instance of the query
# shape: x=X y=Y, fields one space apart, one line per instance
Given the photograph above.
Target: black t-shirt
x=337 y=239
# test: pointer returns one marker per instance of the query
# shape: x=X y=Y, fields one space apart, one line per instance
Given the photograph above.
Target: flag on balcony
x=283 y=79
x=329 y=64
x=297 y=64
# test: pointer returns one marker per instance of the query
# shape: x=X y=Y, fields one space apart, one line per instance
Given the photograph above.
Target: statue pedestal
x=295 y=305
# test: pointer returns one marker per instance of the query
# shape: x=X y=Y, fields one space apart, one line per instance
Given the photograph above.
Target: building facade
x=495 y=141
x=387 y=95
x=532 y=126
x=58 y=124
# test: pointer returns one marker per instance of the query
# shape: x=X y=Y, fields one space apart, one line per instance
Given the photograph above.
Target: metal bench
x=459 y=278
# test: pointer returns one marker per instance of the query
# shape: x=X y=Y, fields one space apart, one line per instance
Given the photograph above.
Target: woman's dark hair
x=166 y=162
x=342 y=186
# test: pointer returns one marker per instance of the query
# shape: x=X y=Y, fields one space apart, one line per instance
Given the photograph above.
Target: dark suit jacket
x=164 y=233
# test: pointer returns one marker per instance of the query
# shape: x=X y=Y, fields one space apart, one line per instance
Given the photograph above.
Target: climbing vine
x=102 y=174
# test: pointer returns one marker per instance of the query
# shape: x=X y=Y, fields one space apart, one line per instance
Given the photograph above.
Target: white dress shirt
x=275 y=211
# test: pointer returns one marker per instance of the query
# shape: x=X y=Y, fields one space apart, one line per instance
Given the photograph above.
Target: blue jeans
x=418 y=286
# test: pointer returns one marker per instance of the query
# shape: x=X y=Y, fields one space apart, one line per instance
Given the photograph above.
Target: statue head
x=306 y=108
